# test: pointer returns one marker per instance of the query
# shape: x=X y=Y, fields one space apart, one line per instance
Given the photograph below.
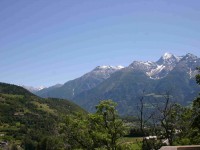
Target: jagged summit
x=167 y=55
x=190 y=56
x=161 y=68
x=168 y=59
x=144 y=66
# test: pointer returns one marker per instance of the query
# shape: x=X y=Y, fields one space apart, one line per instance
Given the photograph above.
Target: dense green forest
x=32 y=123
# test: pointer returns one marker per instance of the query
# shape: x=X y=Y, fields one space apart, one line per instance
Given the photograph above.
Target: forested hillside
x=28 y=120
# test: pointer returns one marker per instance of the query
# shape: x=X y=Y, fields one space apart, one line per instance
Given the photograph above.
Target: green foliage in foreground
x=99 y=130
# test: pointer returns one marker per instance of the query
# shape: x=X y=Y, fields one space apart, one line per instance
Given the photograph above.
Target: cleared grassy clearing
x=130 y=143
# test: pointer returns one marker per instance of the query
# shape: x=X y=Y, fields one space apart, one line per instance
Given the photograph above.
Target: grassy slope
x=134 y=143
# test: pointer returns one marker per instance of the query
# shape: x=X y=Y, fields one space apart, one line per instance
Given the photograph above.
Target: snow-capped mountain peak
x=168 y=59
x=103 y=72
x=167 y=56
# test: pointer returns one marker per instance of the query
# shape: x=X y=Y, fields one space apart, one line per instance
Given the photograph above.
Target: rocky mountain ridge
x=83 y=83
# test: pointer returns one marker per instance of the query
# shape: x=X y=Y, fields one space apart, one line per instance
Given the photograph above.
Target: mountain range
x=124 y=85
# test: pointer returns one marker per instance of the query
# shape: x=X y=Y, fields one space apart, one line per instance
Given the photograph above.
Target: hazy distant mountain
x=125 y=84
x=74 y=87
x=33 y=89
x=45 y=90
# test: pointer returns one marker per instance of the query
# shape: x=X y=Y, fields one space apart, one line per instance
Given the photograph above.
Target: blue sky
x=44 y=42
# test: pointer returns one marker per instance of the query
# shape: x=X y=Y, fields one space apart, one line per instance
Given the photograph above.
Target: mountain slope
x=24 y=116
x=122 y=87
x=74 y=87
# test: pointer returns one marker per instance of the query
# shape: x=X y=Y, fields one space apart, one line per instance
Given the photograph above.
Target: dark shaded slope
x=86 y=82
x=124 y=87
x=13 y=89
x=71 y=88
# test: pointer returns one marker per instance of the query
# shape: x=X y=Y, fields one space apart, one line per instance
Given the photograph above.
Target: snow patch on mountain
x=142 y=65
x=102 y=72
x=147 y=63
x=154 y=73
x=110 y=67
x=120 y=67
